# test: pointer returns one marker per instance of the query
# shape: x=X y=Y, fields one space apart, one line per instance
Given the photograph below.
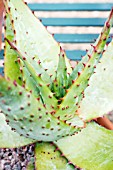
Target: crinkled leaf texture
x=92 y=148
x=9 y=138
x=98 y=98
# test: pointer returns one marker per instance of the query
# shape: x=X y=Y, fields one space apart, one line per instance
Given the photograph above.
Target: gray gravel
x=16 y=159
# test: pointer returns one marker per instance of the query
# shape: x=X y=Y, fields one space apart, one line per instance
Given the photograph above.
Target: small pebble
x=17 y=158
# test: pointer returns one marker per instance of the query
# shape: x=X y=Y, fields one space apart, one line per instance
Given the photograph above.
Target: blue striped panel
x=73 y=21
x=1 y=71
x=71 y=6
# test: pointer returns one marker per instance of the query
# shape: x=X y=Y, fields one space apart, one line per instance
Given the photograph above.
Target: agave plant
x=46 y=102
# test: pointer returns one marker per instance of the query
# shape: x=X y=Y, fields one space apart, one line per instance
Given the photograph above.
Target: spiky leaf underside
x=48 y=157
x=9 y=138
x=92 y=148
x=28 y=115
x=101 y=97
x=28 y=40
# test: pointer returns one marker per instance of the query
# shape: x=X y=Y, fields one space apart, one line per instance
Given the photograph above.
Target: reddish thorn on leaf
x=24 y=58
x=104 y=39
x=15 y=83
x=73 y=81
x=40 y=85
x=20 y=93
x=51 y=75
x=14 y=31
x=63 y=108
x=9 y=109
x=39 y=75
x=50 y=96
x=58 y=117
x=9 y=8
x=33 y=12
x=48 y=85
x=5 y=17
x=107 y=24
x=79 y=73
x=39 y=109
x=39 y=62
x=30 y=91
x=33 y=58
x=89 y=56
x=84 y=64
x=21 y=108
x=78 y=85
x=67 y=107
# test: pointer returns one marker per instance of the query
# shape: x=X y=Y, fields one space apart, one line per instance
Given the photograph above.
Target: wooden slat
x=70 y=6
x=73 y=21
x=75 y=54
x=77 y=38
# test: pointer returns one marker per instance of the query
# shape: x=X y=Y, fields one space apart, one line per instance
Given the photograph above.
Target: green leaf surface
x=75 y=93
x=45 y=92
x=28 y=116
x=9 y=138
x=34 y=37
x=61 y=83
x=99 y=95
x=90 y=149
x=11 y=68
x=47 y=157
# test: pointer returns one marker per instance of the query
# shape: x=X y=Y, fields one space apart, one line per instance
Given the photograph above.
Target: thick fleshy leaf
x=61 y=83
x=34 y=37
x=9 y=138
x=90 y=149
x=28 y=116
x=11 y=68
x=99 y=95
x=48 y=157
x=75 y=94
x=46 y=94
